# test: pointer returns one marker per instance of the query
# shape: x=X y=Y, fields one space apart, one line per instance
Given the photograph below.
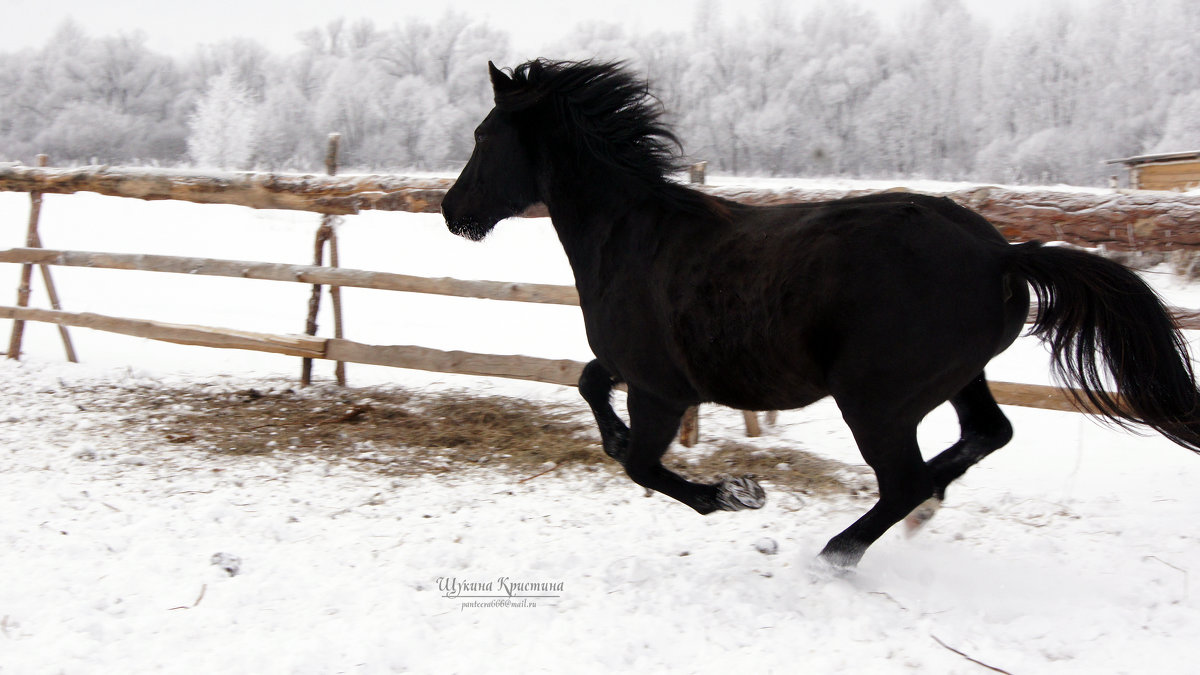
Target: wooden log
x=314 y=300
x=1035 y=396
x=689 y=427
x=325 y=235
x=1114 y=219
x=1117 y=219
x=242 y=269
x=337 y=195
x=335 y=297
x=487 y=290
x=291 y=345
x=1186 y=319
x=552 y=371
x=753 y=428
x=33 y=239
x=24 y=285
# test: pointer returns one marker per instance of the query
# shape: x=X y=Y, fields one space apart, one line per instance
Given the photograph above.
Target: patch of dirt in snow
x=400 y=432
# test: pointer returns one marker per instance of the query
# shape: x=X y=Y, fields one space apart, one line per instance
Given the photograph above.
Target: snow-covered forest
x=837 y=91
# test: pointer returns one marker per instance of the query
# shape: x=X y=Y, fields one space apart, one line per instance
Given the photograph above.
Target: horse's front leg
x=596 y=385
x=654 y=423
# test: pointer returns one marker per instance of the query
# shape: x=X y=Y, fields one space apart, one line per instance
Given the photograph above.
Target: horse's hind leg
x=904 y=482
x=654 y=424
x=984 y=430
x=596 y=385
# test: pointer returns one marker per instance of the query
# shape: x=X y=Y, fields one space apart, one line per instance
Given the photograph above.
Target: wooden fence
x=330 y=195
x=1115 y=219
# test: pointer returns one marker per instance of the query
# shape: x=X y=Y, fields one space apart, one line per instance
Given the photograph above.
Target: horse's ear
x=511 y=93
x=500 y=81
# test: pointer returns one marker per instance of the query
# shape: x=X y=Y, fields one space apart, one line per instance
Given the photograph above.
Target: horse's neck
x=587 y=241
x=597 y=234
x=607 y=225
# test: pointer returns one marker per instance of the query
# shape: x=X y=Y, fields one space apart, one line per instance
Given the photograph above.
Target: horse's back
x=800 y=300
x=924 y=299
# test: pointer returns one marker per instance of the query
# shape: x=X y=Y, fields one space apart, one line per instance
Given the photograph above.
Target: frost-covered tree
x=766 y=89
x=1182 y=129
x=222 y=127
x=939 y=47
x=417 y=131
x=351 y=103
x=884 y=132
x=88 y=131
x=285 y=138
x=248 y=60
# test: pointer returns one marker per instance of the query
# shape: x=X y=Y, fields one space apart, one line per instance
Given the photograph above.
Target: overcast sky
x=177 y=27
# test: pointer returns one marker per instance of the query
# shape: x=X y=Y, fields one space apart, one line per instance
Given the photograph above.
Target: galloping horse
x=892 y=304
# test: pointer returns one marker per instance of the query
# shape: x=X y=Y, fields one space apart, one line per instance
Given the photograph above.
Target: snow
x=1068 y=551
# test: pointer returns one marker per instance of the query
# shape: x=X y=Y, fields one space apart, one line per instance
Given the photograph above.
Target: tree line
x=837 y=91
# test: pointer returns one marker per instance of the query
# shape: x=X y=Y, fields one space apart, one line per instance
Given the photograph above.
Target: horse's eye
x=480 y=137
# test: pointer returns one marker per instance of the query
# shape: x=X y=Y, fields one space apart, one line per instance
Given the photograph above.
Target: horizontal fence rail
x=335 y=195
x=1115 y=219
x=241 y=269
x=186 y=334
x=550 y=371
x=309 y=274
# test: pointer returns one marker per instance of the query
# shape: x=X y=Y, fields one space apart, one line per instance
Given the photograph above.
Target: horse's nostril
x=468 y=227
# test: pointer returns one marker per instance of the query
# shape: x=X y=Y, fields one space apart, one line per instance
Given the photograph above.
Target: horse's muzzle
x=469 y=227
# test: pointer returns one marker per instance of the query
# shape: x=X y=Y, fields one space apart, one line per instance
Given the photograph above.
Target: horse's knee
x=981 y=436
x=991 y=435
x=992 y=428
x=982 y=421
x=595 y=384
x=1002 y=433
x=614 y=437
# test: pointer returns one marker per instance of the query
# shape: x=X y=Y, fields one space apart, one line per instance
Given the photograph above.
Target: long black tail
x=1091 y=306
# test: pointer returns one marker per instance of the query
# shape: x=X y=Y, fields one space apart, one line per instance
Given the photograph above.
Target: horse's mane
x=613 y=117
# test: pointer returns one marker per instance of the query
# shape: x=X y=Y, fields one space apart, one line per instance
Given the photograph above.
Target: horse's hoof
x=736 y=494
x=921 y=515
x=837 y=563
x=842 y=553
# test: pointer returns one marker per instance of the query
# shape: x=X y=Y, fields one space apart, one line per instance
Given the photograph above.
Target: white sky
x=176 y=28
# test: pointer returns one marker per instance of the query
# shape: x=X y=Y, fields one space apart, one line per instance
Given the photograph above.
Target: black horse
x=892 y=304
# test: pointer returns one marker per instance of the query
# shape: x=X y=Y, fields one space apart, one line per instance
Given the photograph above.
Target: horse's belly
x=768 y=399
x=752 y=379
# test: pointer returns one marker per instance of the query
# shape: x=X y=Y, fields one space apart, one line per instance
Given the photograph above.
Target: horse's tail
x=1091 y=307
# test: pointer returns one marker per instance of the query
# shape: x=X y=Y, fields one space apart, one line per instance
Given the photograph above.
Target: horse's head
x=499 y=181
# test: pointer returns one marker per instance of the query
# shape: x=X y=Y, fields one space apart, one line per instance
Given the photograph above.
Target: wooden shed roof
x=1152 y=159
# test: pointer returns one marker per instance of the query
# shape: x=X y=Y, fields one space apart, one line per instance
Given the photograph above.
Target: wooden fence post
x=24 y=288
x=753 y=429
x=335 y=295
x=325 y=233
x=689 y=427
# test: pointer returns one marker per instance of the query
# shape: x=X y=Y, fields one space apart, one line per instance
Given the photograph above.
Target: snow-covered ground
x=1069 y=551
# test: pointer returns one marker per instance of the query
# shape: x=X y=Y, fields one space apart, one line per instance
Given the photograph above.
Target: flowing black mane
x=610 y=113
